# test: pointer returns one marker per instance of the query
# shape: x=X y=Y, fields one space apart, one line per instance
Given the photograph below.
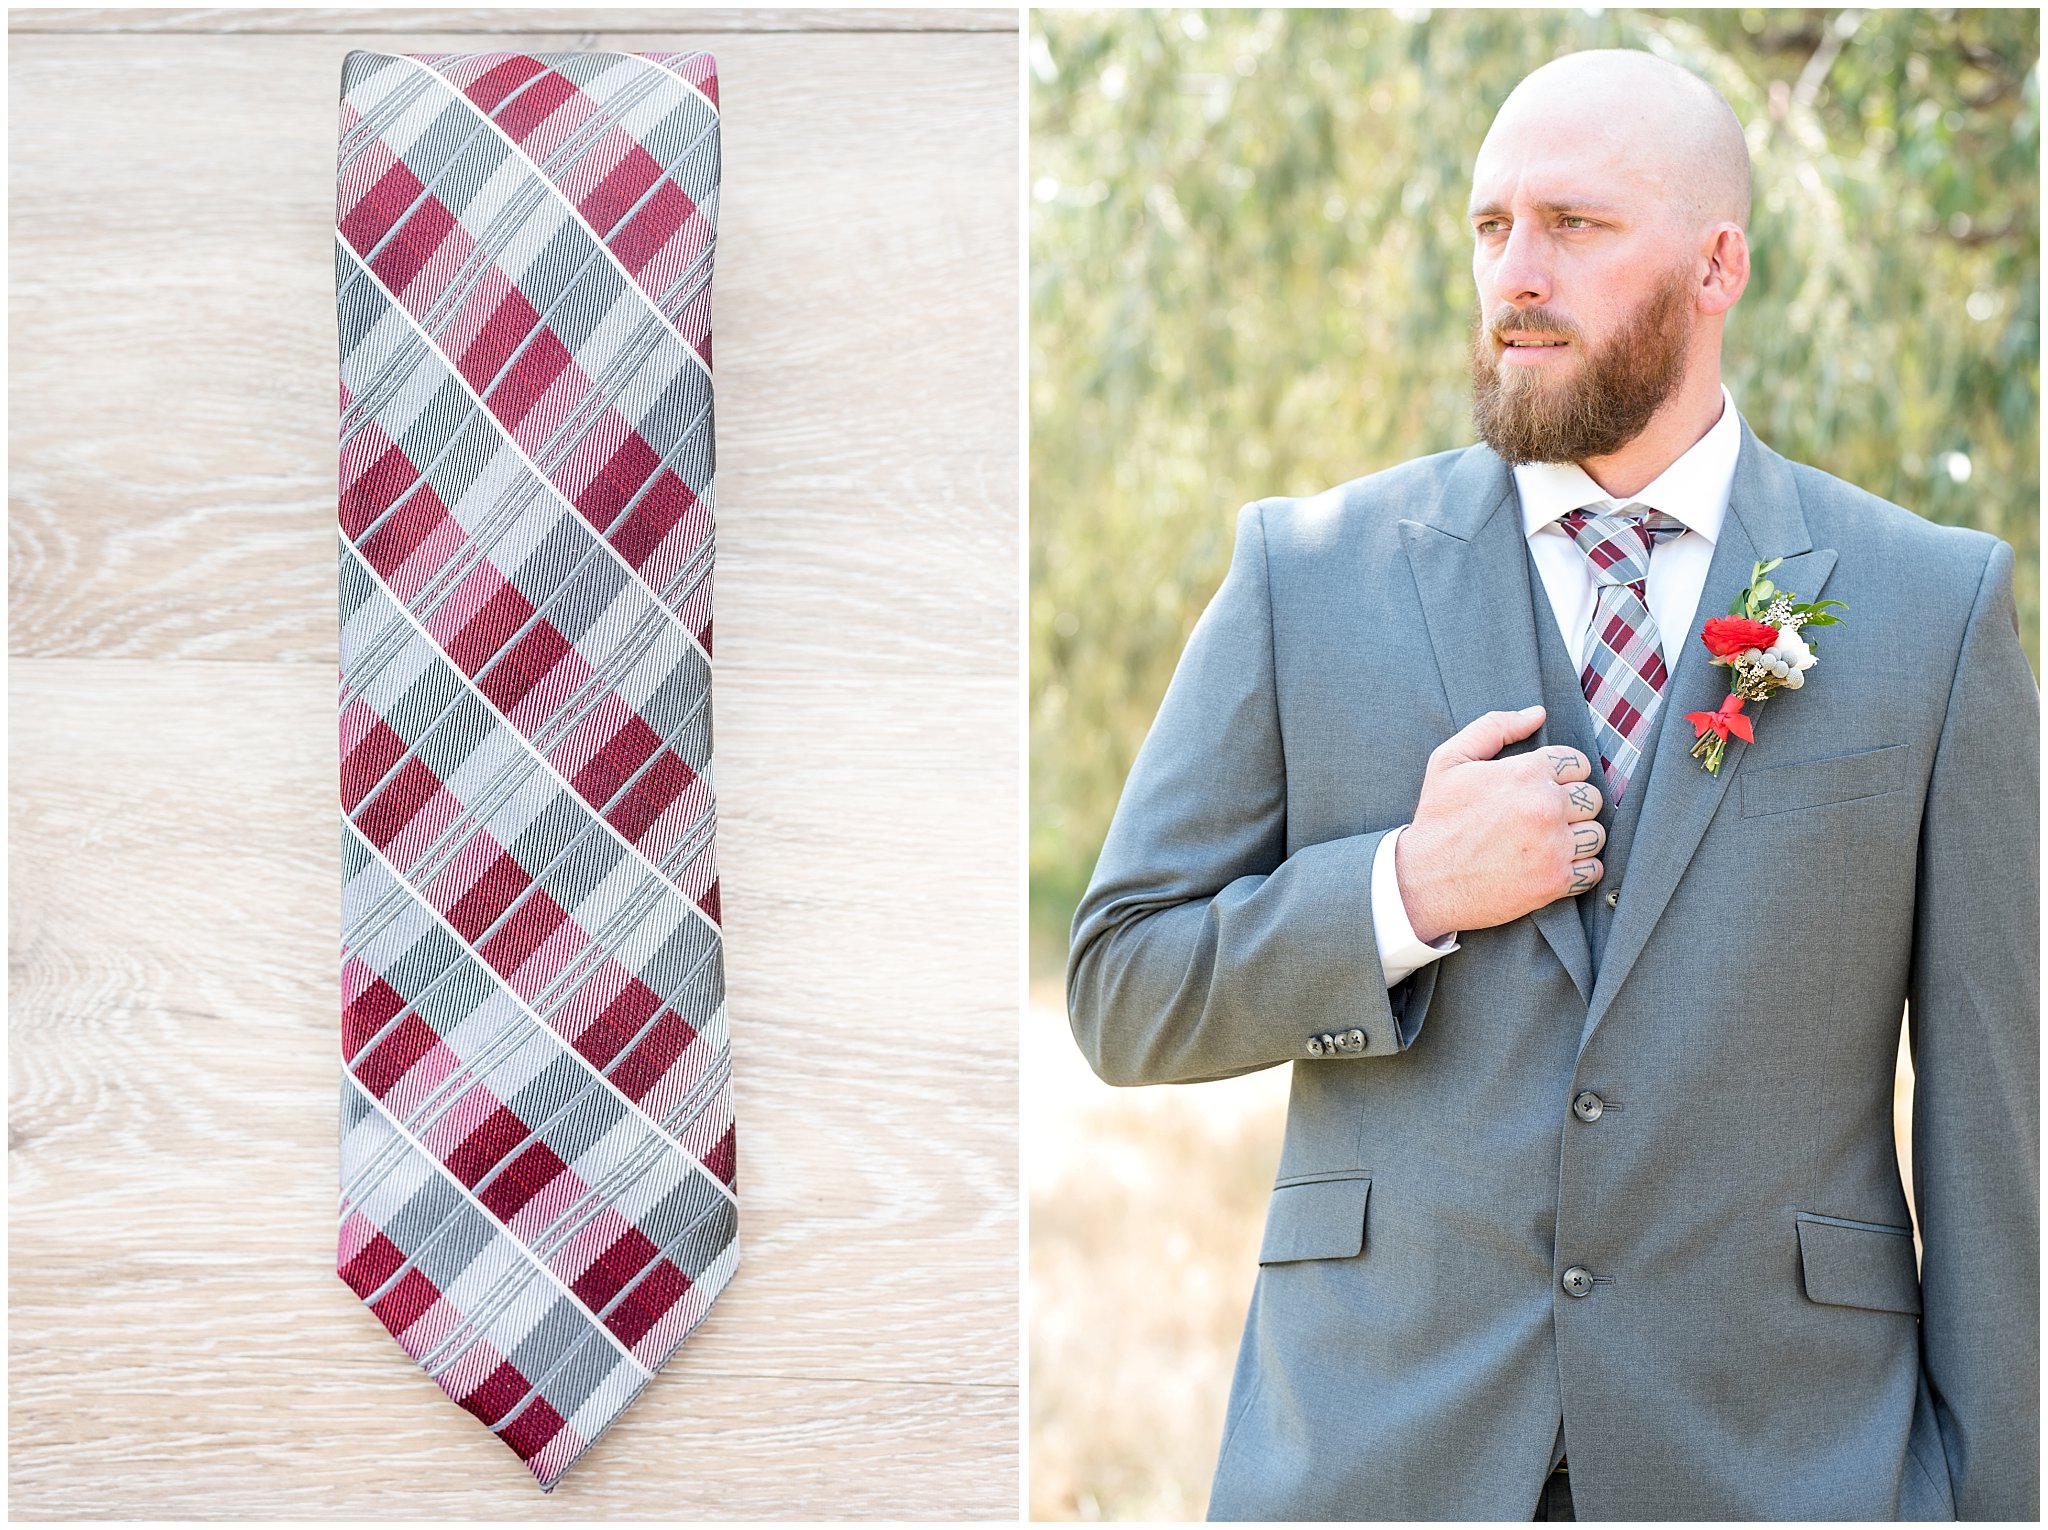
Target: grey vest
x=1567 y=719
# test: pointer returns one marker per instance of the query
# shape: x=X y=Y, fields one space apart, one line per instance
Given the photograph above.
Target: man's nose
x=1521 y=275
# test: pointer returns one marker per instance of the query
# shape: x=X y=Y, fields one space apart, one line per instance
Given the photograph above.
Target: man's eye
x=1490 y=225
x=1573 y=220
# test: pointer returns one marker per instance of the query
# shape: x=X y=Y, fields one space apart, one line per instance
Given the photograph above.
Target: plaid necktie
x=1624 y=674
x=537 y=1161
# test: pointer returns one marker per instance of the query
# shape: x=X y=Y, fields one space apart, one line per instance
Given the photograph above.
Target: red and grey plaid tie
x=1623 y=675
x=537 y=1163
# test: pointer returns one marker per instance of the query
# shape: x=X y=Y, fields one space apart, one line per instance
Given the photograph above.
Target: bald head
x=1670 y=127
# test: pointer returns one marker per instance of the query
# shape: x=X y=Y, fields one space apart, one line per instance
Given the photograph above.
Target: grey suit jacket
x=1756 y=1341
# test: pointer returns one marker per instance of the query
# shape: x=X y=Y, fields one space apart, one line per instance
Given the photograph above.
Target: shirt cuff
x=1401 y=950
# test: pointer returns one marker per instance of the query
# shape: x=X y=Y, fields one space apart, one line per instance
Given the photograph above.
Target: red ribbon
x=1724 y=721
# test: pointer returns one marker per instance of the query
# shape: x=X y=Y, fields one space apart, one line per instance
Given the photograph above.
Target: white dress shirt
x=1694 y=491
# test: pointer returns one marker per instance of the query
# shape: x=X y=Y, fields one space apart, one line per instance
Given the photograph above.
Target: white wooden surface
x=179 y=1344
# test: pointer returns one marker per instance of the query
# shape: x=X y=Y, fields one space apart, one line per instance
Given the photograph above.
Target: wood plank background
x=179 y=1344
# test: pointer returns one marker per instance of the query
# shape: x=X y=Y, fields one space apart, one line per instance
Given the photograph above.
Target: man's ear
x=1726 y=253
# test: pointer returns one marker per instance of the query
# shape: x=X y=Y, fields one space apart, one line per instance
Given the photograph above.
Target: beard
x=1526 y=417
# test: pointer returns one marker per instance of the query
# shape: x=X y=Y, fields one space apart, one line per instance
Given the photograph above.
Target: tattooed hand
x=1494 y=839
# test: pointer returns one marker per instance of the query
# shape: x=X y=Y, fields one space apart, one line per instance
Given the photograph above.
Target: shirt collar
x=1693 y=490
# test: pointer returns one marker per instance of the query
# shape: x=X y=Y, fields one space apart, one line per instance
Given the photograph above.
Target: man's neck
x=1673 y=431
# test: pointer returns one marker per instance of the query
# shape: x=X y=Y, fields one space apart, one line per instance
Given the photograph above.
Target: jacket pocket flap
x=1858 y=1264
x=1318 y=1218
x=1815 y=783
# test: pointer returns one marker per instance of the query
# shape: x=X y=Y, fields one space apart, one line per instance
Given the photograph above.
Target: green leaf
x=1762 y=591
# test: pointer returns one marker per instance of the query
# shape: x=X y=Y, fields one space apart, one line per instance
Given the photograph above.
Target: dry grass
x=1146 y=1210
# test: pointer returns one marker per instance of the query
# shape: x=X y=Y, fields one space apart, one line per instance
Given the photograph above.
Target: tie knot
x=1617 y=541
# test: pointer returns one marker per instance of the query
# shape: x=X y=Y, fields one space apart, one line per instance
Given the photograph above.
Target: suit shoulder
x=1841 y=514
x=1367 y=506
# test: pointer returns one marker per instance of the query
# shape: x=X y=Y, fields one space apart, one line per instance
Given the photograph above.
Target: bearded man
x=1588 y=941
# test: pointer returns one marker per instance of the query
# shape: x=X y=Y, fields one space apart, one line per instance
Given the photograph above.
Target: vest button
x=1578 y=1281
x=1587 y=1105
x=1613 y=896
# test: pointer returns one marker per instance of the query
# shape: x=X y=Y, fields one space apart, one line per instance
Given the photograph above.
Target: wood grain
x=180 y=1345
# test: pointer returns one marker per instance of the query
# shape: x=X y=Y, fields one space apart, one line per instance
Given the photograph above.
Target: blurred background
x=1251 y=274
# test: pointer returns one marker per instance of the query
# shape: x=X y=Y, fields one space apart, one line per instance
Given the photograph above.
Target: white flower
x=1791 y=647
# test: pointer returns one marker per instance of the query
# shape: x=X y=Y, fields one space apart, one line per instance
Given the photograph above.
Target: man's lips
x=1522 y=348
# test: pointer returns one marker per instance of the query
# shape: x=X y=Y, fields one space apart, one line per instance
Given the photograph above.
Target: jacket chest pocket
x=1316 y=1216
x=1818 y=783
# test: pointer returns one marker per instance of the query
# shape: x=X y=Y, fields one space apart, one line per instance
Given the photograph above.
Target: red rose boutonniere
x=1759 y=642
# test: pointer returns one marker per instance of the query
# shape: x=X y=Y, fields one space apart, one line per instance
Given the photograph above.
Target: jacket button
x=1578 y=1281
x=1355 y=1038
x=1613 y=896
x=1587 y=1105
x=1315 y=1046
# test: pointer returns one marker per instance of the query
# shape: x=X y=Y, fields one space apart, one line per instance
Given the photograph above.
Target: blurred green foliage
x=1251 y=274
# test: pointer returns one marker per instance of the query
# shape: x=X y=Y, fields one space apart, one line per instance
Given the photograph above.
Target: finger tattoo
x=1561 y=760
x=1582 y=796
x=1582 y=877
x=1585 y=838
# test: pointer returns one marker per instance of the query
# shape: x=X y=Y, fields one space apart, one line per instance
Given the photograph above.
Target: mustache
x=1539 y=321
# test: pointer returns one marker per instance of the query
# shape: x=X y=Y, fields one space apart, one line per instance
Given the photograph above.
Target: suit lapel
x=1471 y=566
x=1763 y=521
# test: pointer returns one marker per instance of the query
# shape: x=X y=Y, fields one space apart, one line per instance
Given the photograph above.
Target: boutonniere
x=1758 y=642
